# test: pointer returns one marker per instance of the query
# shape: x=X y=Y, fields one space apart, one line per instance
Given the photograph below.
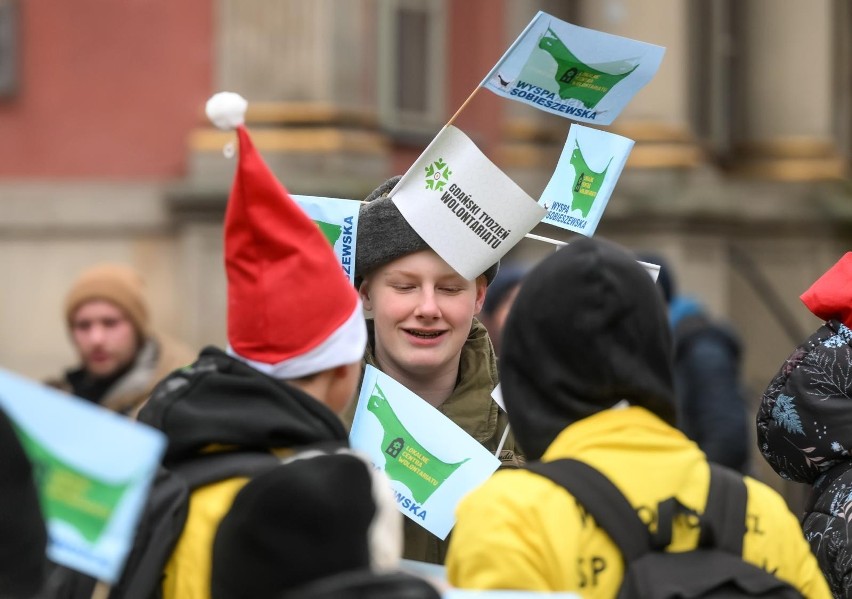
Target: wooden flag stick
x=101 y=590
x=462 y=107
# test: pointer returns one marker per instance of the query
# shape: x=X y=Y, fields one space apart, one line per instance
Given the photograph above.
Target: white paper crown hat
x=291 y=310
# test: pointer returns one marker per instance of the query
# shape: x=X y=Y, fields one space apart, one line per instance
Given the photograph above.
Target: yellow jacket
x=521 y=531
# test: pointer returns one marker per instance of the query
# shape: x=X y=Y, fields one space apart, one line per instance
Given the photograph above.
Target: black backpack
x=714 y=569
x=160 y=525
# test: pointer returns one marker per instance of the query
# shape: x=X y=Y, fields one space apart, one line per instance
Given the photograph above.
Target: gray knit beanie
x=384 y=235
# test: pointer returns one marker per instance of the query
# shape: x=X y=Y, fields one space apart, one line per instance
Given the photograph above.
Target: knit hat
x=314 y=516
x=384 y=235
x=116 y=283
x=830 y=297
x=291 y=309
x=588 y=329
x=23 y=537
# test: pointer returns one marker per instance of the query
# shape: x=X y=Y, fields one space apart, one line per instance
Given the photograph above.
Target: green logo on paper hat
x=406 y=460
x=578 y=80
x=587 y=183
x=437 y=175
x=331 y=231
x=69 y=495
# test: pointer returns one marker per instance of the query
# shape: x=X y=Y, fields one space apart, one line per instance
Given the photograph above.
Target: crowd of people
x=588 y=372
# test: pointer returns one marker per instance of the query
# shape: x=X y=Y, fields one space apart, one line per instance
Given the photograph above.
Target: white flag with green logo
x=468 y=210
x=581 y=74
x=92 y=468
x=338 y=221
x=431 y=462
x=587 y=171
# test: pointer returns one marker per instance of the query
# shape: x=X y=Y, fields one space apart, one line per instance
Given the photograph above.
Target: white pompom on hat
x=291 y=309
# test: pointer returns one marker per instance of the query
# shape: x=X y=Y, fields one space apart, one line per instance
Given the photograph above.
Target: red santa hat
x=830 y=297
x=291 y=309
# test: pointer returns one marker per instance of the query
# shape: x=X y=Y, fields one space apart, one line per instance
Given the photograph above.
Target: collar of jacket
x=470 y=406
x=613 y=430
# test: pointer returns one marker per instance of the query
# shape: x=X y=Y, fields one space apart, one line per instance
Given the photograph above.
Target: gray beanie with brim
x=384 y=235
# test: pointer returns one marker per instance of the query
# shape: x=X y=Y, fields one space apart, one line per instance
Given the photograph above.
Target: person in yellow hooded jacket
x=586 y=371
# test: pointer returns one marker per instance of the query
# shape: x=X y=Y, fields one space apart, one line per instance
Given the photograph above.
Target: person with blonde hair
x=423 y=332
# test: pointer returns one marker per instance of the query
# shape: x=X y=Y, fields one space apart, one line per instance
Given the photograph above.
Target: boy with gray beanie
x=423 y=333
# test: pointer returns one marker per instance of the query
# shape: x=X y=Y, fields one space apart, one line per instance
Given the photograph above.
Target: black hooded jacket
x=220 y=402
x=572 y=350
x=23 y=534
x=804 y=430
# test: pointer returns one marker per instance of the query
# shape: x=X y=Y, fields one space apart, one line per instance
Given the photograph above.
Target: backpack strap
x=602 y=499
x=166 y=511
x=725 y=514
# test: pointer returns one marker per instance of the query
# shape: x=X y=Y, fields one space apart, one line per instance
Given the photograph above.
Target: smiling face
x=423 y=311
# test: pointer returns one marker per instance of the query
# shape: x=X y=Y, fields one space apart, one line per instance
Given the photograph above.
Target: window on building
x=412 y=39
x=714 y=97
x=8 y=48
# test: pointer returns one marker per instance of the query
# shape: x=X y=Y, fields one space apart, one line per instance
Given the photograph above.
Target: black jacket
x=711 y=402
x=804 y=430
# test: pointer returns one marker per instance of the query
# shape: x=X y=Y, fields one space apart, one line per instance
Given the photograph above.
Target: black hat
x=314 y=516
x=23 y=536
x=384 y=235
x=587 y=330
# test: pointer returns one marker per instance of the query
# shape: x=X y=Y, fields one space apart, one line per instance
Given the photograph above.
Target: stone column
x=788 y=93
x=308 y=70
x=657 y=118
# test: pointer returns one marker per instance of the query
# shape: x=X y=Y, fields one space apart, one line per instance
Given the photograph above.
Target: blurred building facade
x=740 y=173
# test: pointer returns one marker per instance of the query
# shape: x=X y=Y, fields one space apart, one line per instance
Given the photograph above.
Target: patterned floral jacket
x=804 y=430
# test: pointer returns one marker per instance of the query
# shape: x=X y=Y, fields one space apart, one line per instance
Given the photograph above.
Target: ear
x=481 y=289
x=364 y=292
x=343 y=386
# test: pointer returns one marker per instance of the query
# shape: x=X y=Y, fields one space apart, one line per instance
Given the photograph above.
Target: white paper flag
x=586 y=174
x=94 y=468
x=431 y=461
x=338 y=221
x=462 y=205
x=571 y=71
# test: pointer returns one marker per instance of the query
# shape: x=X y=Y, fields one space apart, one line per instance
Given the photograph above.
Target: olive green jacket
x=471 y=407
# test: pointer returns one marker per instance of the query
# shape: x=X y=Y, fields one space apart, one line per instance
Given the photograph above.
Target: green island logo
x=437 y=175
x=69 y=495
x=587 y=183
x=578 y=80
x=330 y=231
x=406 y=460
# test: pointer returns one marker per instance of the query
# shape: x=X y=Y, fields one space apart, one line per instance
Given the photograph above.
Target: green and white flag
x=430 y=460
x=468 y=210
x=338 y=221
x=588 y=169
x=571 y=71
x=92 y=468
